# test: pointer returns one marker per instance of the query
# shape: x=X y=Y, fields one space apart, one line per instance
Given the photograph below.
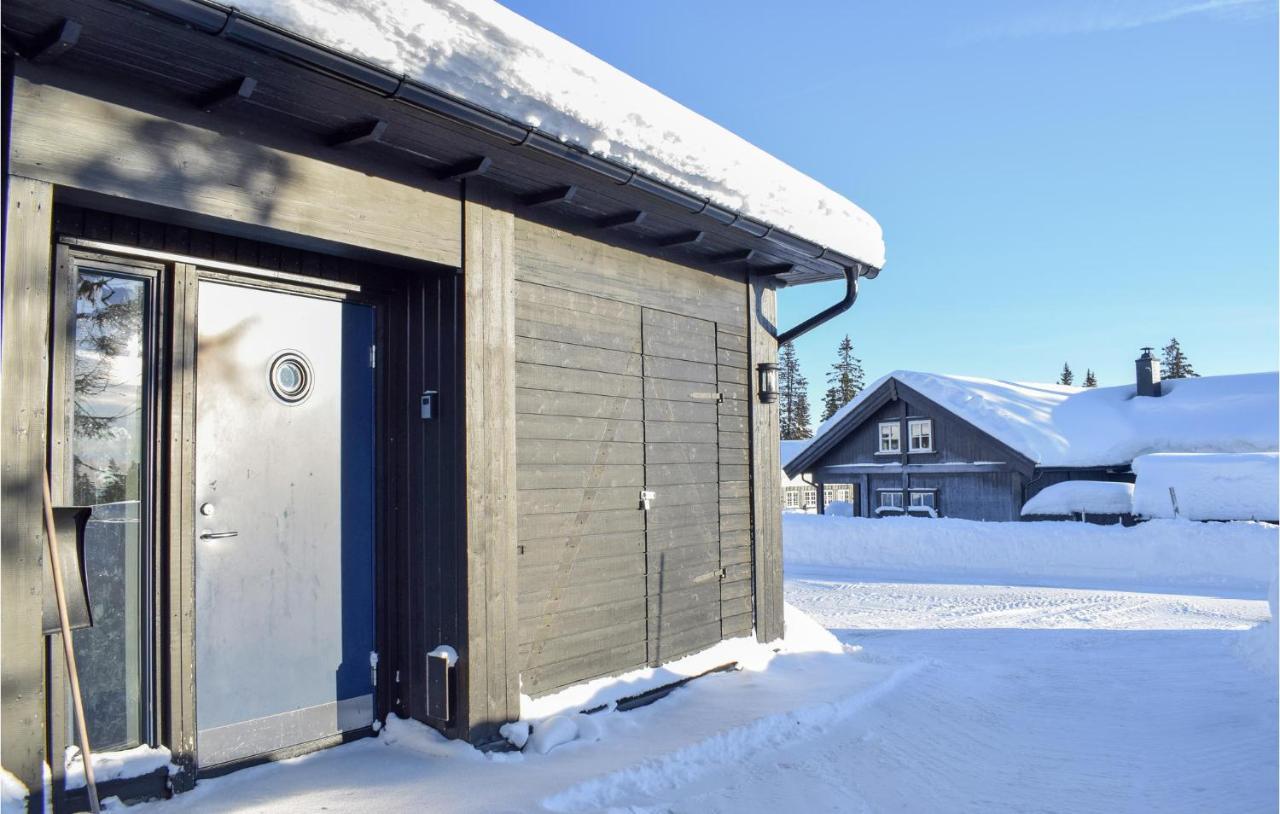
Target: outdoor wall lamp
x=768 y=381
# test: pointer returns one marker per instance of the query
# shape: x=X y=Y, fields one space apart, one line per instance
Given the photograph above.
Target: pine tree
x=844 y=381
x=793 y=396
x=1090 y=380
x=803 y=425
x=1067 y=376
x=1175 y=364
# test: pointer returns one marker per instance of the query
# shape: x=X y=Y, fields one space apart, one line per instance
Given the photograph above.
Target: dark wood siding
x=580 y=469
x=683 y=526
x=619 y=360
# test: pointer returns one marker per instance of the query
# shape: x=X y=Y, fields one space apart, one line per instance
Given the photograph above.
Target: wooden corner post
x=766 y=465
x=489 y=693
x=24 y=419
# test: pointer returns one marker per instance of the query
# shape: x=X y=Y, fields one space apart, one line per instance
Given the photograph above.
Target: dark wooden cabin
x=501 y=344
x=906 y=454
x=934 y=445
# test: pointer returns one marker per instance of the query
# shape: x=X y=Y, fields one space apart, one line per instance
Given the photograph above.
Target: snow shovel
x=64 y=621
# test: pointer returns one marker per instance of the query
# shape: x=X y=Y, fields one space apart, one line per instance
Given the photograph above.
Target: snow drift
x=1086 y=496
x=1158 y=555
x=1243 y=486
x=492 y=57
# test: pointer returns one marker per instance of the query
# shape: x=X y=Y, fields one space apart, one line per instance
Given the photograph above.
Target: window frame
x=896 y=436
x=912 y=423
x=881 y=494
x=931 y=492
x=72 y=260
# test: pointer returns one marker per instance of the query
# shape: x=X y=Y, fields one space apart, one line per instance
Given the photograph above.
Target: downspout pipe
x=850 y=296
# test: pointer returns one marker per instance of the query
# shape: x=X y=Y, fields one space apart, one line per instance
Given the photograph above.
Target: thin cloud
x=1100 y=17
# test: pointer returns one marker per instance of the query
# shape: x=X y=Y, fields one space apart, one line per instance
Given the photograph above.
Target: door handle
x=218 y=535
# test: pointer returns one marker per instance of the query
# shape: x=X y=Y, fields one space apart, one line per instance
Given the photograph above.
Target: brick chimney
x=1148 y=374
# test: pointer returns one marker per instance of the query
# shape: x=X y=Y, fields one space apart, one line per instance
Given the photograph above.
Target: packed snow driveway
x=1035 y=699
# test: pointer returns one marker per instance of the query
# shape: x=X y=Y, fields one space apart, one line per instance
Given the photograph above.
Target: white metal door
x=284 y=520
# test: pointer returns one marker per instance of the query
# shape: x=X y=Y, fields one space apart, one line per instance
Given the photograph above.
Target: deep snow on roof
x=492 y=57
x=1055 y=425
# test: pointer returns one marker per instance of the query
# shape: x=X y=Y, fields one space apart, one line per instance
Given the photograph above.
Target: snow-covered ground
x=930 y=695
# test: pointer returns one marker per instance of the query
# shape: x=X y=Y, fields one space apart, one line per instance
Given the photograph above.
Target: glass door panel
x=110 y=466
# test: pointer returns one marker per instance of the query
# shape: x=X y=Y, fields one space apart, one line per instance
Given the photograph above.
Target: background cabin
x=931 y=445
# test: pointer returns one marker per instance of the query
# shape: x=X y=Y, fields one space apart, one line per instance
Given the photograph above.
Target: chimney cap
x=1147 y=352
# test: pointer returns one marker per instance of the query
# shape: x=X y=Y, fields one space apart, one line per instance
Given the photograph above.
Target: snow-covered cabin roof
x=481 y=52
x=1054 y=425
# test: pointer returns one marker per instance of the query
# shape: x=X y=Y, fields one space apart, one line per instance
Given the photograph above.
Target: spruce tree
x=1175 y=364
x=793 y=396
x=1090 y=380
x=1067 y=376
x=803 y=423
x=844 y=381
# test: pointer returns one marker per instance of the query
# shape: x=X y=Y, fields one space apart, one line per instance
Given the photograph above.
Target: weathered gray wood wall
x=24 y=419
x=619 y=357
x=491 y=694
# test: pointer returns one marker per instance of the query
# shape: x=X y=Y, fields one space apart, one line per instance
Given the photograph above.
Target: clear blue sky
x=1060 y=180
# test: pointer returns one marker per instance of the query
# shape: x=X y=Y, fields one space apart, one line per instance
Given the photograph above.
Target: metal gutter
x=230 y=24
x=850 y=297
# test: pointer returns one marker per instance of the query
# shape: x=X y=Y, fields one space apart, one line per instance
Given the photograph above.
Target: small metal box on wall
x=440 y=664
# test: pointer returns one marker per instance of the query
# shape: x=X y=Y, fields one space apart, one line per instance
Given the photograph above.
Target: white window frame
x=895 y=438
x=912 y=425
x=881 y=494
x=792 y=498
x=932 y=494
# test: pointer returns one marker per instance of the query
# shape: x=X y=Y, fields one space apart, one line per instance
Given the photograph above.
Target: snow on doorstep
x=1087 y=496
x=13 y=793
x=133 y=762
x=1166 y=555
x=1242 y=486
x=1054 y=425
x=492 y=57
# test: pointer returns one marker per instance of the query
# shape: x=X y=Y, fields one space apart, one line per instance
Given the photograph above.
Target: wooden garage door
x=682 y=465
x=580 y=470
x=613 y=399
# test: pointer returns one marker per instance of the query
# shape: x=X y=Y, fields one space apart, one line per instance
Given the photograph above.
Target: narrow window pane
x=109 y=457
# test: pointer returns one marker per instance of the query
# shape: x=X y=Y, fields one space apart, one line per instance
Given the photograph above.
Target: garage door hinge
x=373 y=356
x=373 y=668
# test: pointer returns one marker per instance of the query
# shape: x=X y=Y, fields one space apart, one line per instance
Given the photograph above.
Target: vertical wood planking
x=766 y=493
x=492 y=691
x=24 y=382
x=179 y=726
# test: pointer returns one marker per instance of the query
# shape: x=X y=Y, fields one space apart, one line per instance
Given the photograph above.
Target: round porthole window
x=290 y=377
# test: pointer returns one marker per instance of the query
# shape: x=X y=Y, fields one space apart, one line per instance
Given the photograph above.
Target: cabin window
x=109 y=367
x=889 y=500
x=793 y=498
x=923 y=501
x=890 y=436
x=920 y=432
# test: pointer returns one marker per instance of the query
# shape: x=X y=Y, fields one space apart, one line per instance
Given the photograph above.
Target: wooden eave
x=179 y=64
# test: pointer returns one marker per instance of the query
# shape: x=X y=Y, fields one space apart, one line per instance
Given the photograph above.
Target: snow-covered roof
x=1087 y=496
x=791 y=449
x=1239 y=486
x=490 y=56
x=1054 y=425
